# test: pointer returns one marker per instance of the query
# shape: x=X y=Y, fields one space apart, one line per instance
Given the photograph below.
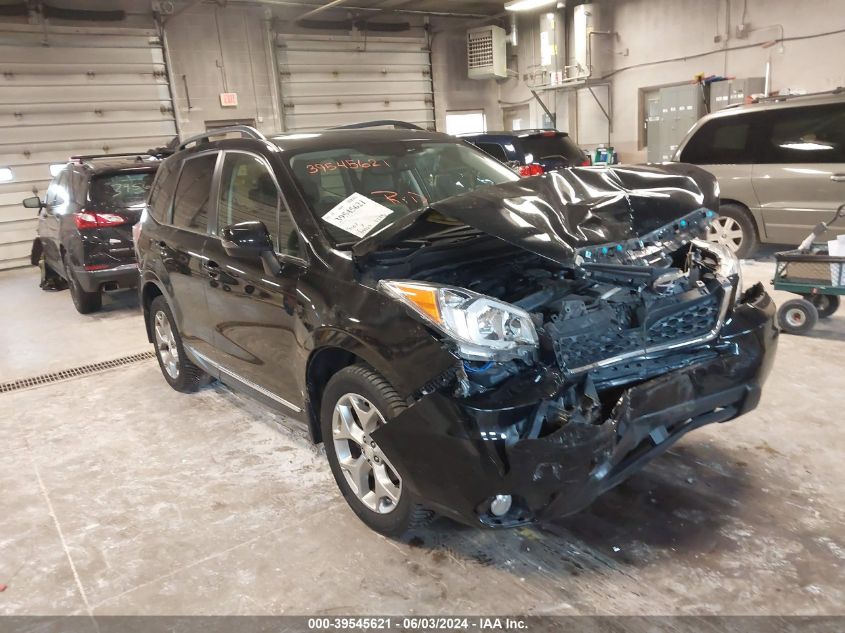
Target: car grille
x=686 y=323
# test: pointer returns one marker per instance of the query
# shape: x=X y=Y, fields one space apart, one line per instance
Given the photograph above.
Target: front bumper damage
x=458 y=453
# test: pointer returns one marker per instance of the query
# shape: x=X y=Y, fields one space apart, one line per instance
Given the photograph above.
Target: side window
x=493 y=149
x=813 y=134
x=161 y=192
x=721 y=141
x=247 y=193
x=190 y=204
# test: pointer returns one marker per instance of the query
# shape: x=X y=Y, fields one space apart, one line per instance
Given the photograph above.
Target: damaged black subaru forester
x=464 y=342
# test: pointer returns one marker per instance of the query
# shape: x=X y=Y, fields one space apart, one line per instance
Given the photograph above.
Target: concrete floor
x=121 y=496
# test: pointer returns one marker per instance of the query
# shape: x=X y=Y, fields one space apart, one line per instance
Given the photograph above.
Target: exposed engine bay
x=591 y=315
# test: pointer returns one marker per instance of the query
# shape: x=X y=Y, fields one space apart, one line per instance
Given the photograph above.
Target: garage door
x=333 y=80
x=70 y=91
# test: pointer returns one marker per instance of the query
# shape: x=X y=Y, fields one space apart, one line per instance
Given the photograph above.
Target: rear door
x=256 y=317
x=181 y=243
x=800 y=179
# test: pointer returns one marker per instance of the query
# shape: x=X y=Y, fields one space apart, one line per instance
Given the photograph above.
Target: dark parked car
x=494 y=349
x=531 y=152
x=84 y=237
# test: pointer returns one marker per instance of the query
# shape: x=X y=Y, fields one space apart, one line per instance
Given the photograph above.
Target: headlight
x=727 y=263
x=483 y=328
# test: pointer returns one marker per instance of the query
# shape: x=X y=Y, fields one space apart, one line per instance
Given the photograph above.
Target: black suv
x=463 y=341
x=531 y=152
x=84 y=237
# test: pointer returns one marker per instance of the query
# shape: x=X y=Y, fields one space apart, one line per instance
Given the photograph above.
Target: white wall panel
x=72 y=90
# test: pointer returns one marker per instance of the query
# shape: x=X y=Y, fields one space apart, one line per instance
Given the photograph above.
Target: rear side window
x=806 y=135
x=493 y=149
x=161 y=191
x=191 y=202
x=722 y=141
x=557 y=146
x=119 y=191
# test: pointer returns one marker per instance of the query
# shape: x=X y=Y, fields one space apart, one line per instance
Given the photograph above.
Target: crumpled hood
x=556 y=214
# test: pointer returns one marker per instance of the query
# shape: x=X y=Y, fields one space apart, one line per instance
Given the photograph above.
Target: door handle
x=838 y=177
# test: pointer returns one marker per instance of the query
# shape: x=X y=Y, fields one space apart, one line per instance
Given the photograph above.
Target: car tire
x=84 y=302
x=734 y=227
x=360 y=390
x=177 y=369
x=826 y=305
x=797 y=316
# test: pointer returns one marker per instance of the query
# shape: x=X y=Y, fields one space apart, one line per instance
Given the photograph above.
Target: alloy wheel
x=727 y=232
x=367 y=470
x=166 y=345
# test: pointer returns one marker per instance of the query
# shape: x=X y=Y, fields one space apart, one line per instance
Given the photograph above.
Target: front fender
x=408 y=365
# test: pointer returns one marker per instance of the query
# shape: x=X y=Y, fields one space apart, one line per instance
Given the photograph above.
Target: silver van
x=780 y=164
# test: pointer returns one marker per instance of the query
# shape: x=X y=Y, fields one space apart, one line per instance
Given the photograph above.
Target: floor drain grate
x=65 y=374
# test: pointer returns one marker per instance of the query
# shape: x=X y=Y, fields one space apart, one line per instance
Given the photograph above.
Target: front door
x=56 y=203
x=256 y=316
x=800 y=179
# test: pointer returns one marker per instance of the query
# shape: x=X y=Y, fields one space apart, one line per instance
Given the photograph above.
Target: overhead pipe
x=325 y=7
x=301 y=4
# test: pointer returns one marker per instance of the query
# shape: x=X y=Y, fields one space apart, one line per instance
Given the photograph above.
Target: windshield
x=120 y=191
x=355 y=191
x=550 y=147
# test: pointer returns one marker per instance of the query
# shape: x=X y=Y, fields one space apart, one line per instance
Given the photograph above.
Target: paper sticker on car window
x=357 y=215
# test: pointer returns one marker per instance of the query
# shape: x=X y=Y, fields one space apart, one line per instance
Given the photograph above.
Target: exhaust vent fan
x=487 y=53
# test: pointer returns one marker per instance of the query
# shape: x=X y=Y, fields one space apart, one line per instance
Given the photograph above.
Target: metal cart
x=811 y=272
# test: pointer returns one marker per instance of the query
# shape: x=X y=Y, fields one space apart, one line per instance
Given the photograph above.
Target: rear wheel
x=84 y=301
x=797 y=316
x=357 y=402
x=826 y=305
x=178 y=370
x=734 y=228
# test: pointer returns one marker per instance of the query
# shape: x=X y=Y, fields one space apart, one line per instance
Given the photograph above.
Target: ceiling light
x=56 y=168
x=527 y=5
x=6 y=174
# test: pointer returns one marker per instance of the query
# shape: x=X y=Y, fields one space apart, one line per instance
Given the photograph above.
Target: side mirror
x=33 y=203
x=248 y=240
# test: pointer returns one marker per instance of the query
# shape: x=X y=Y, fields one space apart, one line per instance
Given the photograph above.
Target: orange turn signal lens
x=424 y=298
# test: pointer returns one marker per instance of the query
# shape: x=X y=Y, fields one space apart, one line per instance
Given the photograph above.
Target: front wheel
x=826 y=305
x=357 y=401
x=797 y=316
x=178 y=370
x=734 y=228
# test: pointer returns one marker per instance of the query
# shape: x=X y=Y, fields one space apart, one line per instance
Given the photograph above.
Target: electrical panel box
x=734 y=91
x=487 y=53
x=678 y=109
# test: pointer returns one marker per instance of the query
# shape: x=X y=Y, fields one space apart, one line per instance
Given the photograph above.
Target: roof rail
x=84 y=157
x=775 y=98
x=245 y=131
x=400 y=125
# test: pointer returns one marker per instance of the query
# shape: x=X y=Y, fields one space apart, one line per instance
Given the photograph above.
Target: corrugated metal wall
x=70 y=90
x=329 y=80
